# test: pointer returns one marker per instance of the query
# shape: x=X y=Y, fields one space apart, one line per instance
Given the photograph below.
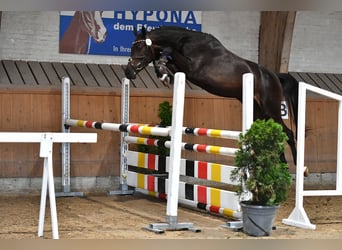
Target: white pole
x=46 y=146
x=298 y=216
x=124 y=145
x=43 y=200
x=65 y=148
x=247 y=100
x=175 y=149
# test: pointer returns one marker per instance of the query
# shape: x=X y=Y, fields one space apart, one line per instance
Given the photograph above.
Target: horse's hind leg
x=258 y=113
x=290 y=141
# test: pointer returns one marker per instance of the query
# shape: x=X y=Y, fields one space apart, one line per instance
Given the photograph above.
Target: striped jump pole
x=201 y=148
x=147 y=129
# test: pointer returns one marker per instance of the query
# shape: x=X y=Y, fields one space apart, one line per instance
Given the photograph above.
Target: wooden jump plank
x=86 y=75
x=305 y=78
x=193 y=86
x=319 y=81
x=74 y=74
x=334 y=80
x=26 y=73
x=146 y=79
x=155 y=79
x=38 y=73
x=111 y=77
x=331 y=86
x=296 y=76
x=13 y=73
x=61 y=72
x=339 y=77
x=50 y=73
x=98 y=75
x=119 y=72
x=3 y=75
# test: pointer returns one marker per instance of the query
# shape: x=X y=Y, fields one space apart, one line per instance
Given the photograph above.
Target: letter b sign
x=284 y=110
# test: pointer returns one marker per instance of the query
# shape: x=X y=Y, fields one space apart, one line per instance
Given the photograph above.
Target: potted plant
x=263 y=179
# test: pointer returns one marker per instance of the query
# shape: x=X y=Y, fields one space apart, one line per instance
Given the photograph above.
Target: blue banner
x=111 y=32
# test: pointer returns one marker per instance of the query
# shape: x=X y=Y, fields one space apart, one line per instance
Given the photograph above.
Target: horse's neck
x=75 y=38
x=166 y=40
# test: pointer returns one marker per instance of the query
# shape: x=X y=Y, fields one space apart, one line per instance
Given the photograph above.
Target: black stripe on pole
x=98 y=125
x=189 y=146
x=189 y=168
x=161 y=186
x=201 y=206
x=123 y=127
x=189 y=131
x=189 y=191
x=162 y=163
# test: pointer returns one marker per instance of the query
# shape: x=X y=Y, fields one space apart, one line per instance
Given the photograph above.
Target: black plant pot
x=258 y=220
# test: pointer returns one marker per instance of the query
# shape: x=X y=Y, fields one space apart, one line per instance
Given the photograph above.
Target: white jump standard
x=298 y=216
x=46 y=141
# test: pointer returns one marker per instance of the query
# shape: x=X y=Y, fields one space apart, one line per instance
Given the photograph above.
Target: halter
x=147 y=42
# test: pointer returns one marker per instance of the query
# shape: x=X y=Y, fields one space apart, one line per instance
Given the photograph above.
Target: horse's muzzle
x=130 y=72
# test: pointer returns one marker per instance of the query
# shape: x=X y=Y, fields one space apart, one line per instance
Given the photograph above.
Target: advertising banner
x=111 y=32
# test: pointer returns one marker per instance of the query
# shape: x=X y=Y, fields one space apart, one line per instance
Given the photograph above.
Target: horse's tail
x=290 y=90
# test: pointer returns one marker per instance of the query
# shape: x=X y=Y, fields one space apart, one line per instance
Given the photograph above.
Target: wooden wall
x=22 y=110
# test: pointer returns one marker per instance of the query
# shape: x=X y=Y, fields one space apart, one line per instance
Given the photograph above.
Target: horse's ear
x=135 y=32
x=143 y=31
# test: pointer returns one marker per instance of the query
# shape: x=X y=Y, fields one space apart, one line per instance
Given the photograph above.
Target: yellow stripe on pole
x=214 y=149
x=141 y=160
x=215 y=197
x=215 y=133
x=228 y=212
x=146 y=130
x=80 y=123
x=141 y=140
x=141 y=181
x=216 y=172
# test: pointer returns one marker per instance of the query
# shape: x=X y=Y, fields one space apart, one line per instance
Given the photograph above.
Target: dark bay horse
x=83 y=26
x=209 y=65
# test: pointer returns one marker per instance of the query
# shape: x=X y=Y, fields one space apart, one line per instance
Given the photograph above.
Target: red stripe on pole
x=202 y=131
x=214 y=209
x=134 y=128
x=202 y=170
x=202 y=194
x=89 y=124
x=150 y=183
x=162 y=196
x=150 y=142
x=201 y=148
x=151 y=161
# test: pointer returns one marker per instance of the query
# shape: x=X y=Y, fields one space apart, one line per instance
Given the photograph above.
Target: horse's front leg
x=161 y=66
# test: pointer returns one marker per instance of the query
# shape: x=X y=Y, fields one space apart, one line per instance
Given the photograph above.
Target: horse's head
x=142 y=53
x=93 y=24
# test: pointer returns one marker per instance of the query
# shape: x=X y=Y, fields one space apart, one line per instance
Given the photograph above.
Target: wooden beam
x=275 y=38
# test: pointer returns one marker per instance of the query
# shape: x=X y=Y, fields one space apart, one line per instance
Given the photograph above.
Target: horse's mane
x=175 y=36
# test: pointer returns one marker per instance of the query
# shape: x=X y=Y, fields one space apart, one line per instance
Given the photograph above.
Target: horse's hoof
x=165 y=79
x=306 y=171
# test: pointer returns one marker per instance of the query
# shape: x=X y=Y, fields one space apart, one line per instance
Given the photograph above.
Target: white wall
x=34 y=36
x=317 y=42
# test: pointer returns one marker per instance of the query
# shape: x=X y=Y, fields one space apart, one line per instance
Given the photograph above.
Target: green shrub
x=259 y=157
